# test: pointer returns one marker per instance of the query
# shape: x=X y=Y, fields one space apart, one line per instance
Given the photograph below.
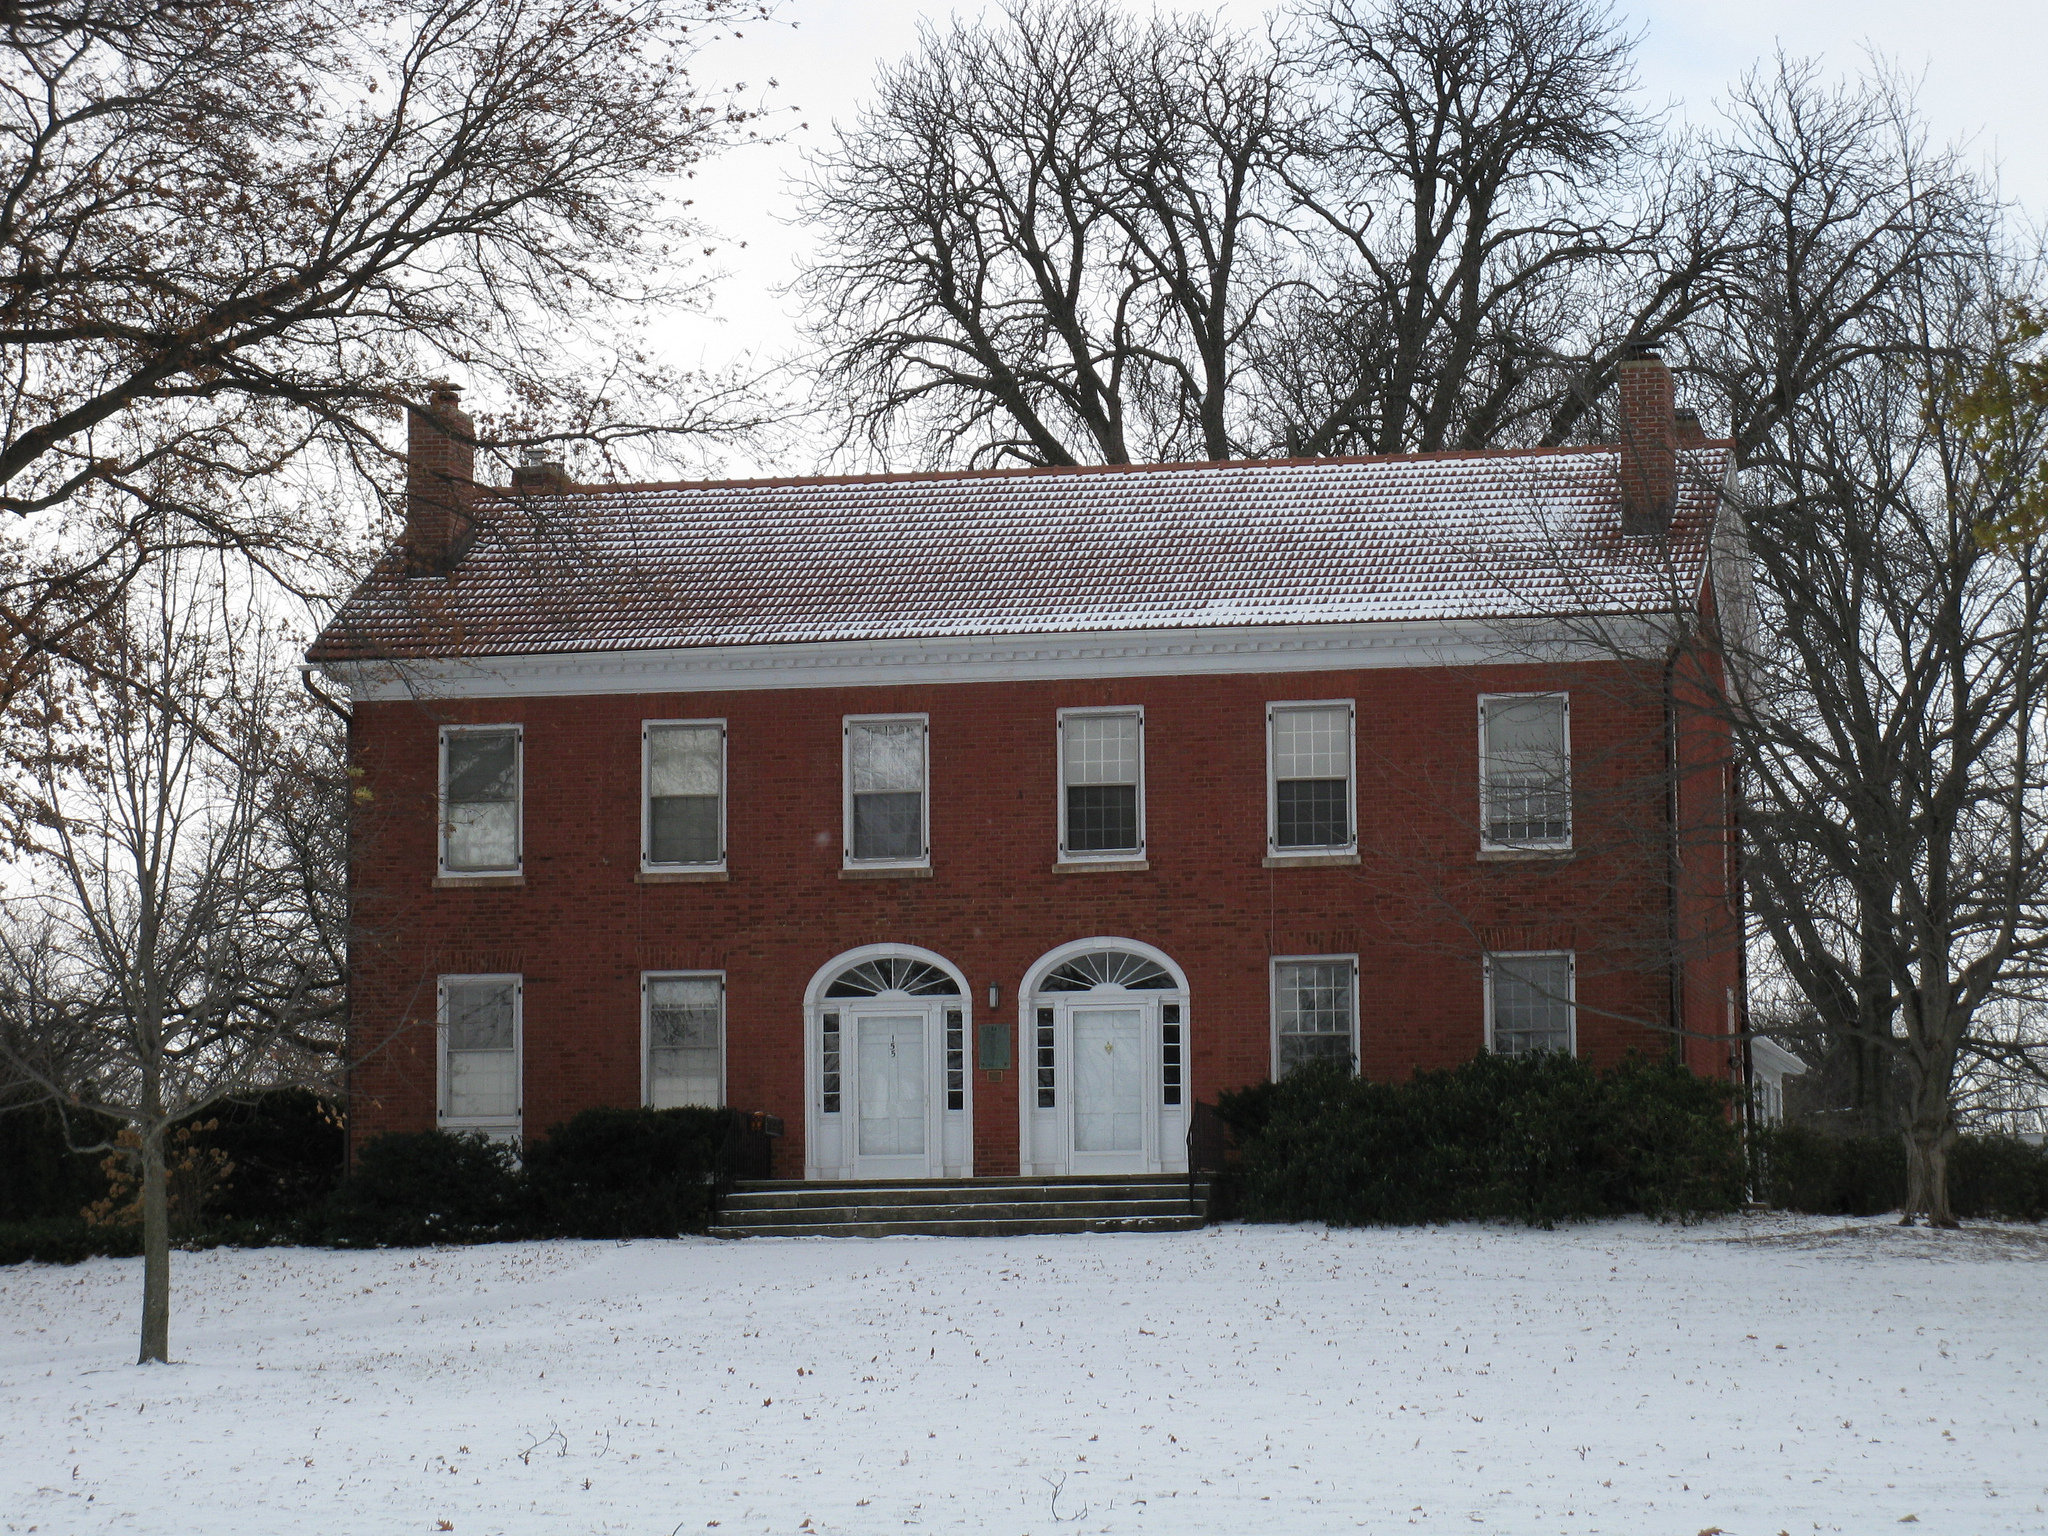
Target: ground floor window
x=685 y=1040
x=479 y=1055
x=1529 y=1003
x=1315 y=1015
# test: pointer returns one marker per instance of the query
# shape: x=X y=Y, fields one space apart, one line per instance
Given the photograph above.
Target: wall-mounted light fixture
x=994 y=994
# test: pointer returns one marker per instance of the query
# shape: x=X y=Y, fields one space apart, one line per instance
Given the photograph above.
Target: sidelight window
x=1171 y=1063
x=1046 y=1059
x=828 y=1063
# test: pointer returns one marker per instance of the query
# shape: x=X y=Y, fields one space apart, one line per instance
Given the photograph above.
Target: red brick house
x=982 y=823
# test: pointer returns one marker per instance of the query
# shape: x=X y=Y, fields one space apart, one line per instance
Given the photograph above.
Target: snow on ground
x=1763 y=1375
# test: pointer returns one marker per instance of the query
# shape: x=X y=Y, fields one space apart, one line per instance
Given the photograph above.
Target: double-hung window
x=1102 y=784
x=480 y=772
x=479 y=1019
x=1525 y=770
x=1311 y=790
x=683 y=824
x=683 y=1034
x=1315 y=1012
x=887 y=815
x=1529 y=1003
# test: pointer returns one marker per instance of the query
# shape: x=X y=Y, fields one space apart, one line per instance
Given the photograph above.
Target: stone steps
x=1007 y=1207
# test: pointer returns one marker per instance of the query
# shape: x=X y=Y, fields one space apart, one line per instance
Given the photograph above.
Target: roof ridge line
x=1061 y=471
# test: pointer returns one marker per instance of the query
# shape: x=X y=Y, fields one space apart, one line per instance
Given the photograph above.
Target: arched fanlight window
x=893 y=974
x=1107 y=968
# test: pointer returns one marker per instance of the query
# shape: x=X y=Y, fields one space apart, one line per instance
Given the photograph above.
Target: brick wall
x=1417 y=909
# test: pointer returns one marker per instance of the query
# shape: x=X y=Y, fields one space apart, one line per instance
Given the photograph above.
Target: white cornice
x=979 y=658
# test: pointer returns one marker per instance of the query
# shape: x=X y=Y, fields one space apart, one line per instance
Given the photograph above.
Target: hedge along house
x=982 y=823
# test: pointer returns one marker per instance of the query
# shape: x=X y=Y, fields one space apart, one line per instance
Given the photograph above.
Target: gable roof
x=1449 y=536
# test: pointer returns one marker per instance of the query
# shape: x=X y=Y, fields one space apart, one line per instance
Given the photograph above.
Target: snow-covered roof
x=1772 y=1060
x=1447 y=536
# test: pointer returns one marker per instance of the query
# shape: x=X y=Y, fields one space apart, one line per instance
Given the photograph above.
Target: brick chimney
x=539 y=475
x=440 y=474
x=1649 y=456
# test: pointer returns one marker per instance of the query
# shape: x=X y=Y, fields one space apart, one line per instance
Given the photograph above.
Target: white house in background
x=1769 y=1065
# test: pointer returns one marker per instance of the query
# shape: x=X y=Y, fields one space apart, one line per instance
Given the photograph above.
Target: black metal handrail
x=748 y=1152
x=1208 y=1144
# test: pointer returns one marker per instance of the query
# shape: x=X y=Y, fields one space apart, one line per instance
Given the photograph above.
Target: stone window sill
x=1527 y=855
x=1105 y=866
x=478 y=882
x=1307 y=860
x=682 y=877
x=913 y=872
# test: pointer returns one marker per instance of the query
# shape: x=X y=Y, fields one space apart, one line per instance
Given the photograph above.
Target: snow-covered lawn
x=1764 y=1375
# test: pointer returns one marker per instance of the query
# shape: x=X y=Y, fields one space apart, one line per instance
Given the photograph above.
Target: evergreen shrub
x=627 y=1172
x=1534 y=1138
x=1814 y=1171
x=1998 y=1178
x=64 y=1240
x=287 y=1148
x=45 y=1180
x=414 y=1188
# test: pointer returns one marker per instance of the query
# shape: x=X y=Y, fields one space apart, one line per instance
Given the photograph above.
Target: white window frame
x=1571 y=1006
x=1107 y=855
x=517 y=866
x=648 y=866
x=1486 y=840
x=1273 y=1004
x=647 y=1029
x=484 y=1123
x=846 y=725
x=1309 y=850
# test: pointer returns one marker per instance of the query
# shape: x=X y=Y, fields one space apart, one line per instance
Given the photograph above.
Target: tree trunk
x=1928 y=1138
x=156 y=1251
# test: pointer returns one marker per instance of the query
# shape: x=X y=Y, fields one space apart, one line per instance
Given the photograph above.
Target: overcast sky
x=1981 y=62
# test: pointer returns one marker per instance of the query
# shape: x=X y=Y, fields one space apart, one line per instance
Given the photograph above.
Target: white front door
x=1104 y=1084
x=1109 y=1080
x=892 y=1096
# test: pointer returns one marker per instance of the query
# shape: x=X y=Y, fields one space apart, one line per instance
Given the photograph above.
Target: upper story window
x=684 y=820
x=479 y=1055
x=1102 y=783
x=1525 y=770
x=684 y=1040
x=1529 y=1003
x=887 y=815
x=1311 y=790
x=480 y=773
x=1315 y=1012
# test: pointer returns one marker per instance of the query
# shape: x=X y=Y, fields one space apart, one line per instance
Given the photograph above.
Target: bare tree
x=1891 y=732
x=235 y=237
x=1065 y=236
x=181 y=937
x=1838 y=209
x=1049 y=234
x=1495 y=226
